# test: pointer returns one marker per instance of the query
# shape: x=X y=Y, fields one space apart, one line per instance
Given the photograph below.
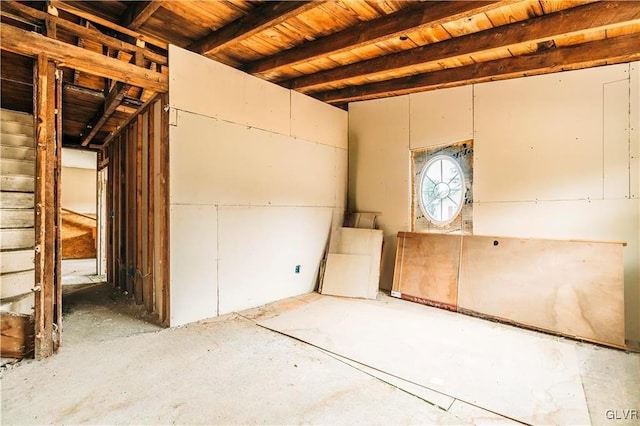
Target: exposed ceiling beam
x=89 y=33
x=268 y=15
x=138 y=13
x=415 y=17
x=69 y=8
x=594 y=16
x=601 y=52
x=111 y=102
x=31 y=44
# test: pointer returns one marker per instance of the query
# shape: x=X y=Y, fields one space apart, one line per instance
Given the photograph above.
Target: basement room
x=320 y=212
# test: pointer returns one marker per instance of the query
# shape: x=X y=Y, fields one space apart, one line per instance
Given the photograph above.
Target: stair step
x=21 y=305
x=16 y=261
x=15 y=128
x=17 y=238
x=16 y=218
x=17 y=183
x=17 y=200
x=8 y=139
x=18 y=153
x=20 y=117
x=17 y=167
x=16 y=284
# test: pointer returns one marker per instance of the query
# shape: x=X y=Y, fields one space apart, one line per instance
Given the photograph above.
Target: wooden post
x=44 y=93
x=149 y=272
x=162 y=283
x=57 y=179
x=138 y=281
x=131 y=202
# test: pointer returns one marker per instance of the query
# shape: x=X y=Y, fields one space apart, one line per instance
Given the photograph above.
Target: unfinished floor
x=115 y=367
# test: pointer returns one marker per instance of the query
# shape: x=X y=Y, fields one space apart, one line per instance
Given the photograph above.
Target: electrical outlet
x=297 y=269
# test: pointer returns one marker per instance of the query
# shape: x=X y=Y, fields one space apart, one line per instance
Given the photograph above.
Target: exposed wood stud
x=139 y=267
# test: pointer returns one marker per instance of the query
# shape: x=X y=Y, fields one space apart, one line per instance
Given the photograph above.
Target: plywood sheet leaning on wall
x=570 y=287
x=426 y=268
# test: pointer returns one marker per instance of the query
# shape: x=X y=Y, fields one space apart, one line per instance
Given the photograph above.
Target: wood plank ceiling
x=338 y=51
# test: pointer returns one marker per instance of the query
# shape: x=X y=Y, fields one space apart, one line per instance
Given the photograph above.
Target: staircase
x=17 y=233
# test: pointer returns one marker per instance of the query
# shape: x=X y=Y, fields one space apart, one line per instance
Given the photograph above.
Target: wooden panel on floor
x=427 y=268
x=568 y=287
x=17 y=335
x=346 y=275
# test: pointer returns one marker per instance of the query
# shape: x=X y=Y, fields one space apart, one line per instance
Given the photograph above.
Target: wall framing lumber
x=111 y=102
x=31 y=44
x=149 y=275
x=45 y=207
x=139 y=275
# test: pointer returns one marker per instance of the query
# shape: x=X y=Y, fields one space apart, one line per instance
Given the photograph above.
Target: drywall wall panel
x=616 y=139
x=217 y=162
x=193 y=253
x=347 y=275
x=634 y=131
x=379 y=164
x=317 y=121
x=206 y=87
x=79 y=189
x=608 y=220
x=540 y=138
x=261 y=248
x=441 y=116
x=341 y=167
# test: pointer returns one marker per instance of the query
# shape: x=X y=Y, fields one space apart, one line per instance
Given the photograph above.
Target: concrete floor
x=116 y=367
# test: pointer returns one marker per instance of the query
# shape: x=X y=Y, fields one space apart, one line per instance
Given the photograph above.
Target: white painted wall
x=79 y=190
x=556 y=156
x=258 y=177
x=79 y=180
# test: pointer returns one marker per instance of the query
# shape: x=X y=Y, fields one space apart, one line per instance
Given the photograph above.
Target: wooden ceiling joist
x=138 y=13
x=415 y=17
x=265 y=16
x=69 y=8
x=31 y=44
x=111 y=102
x=82 y=31
x=601 y=52
x=590 y=17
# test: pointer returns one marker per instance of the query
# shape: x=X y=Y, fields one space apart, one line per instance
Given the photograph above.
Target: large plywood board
x=212 y=89
x=259 y=249
x=193 y=263
x=316 y=121
x=216 y=162
x=540 y=138
x=462 y=357
x=441 y=116
x=573 y=288
x=427 y=267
